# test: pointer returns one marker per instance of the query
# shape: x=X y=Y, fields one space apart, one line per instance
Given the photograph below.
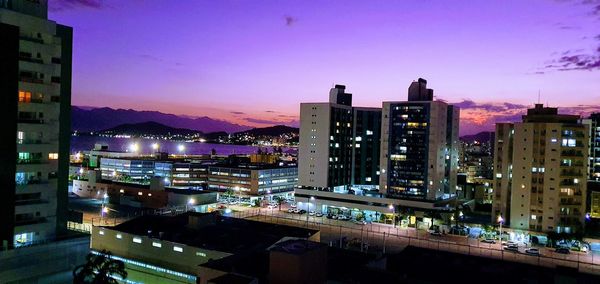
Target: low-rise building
x=250 y=182
x=169 y=249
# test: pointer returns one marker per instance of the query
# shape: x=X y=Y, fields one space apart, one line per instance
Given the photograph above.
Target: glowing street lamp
x=500 y=221
x=191 y=202
x=155 y=146
x=134 y=147
x=181 y=148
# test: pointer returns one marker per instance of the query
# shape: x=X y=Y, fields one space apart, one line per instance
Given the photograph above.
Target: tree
x=99 y=269
x=229 y=193
x=213 y=151
x=279 y=200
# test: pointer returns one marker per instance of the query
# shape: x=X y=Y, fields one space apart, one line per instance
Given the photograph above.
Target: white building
x=36 y=88
x=541 y=165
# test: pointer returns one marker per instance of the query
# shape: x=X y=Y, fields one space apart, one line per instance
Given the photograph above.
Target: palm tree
x=99 y=268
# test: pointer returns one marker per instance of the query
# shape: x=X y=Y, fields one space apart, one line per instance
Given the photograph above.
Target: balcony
x=30 y=161
x=30 y=181
x=30 y=141
x=31 y=59
x=31 y=39
x=31 y=80
x=31 y=120
x=30 y=202
x=570 y=173
x=32 y=221
x=571 y=153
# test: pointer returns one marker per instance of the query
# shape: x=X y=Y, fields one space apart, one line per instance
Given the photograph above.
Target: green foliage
x=99 y=269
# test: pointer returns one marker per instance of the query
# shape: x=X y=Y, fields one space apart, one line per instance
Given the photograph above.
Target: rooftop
x=212 y=231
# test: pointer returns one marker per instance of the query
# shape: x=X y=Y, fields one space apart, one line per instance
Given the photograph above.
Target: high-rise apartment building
x=419 y=147
x=541 y=171
x=363 y=163
x=594 y=147
x=35 y=82
x=326 y=142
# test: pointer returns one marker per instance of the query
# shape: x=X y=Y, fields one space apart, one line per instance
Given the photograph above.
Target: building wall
x=549 y=169
x=503 y=165
x=146 y=251
x=365 y=151
x=313 y=149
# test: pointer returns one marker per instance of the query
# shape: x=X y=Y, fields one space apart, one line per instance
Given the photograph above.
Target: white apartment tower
x=541 y=171
x=35 y=88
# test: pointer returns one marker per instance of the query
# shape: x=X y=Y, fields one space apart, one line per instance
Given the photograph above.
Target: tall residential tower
x=541 y=171
x=35 y=82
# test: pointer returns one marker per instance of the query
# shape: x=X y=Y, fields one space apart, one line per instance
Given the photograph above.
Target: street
x=389 y=239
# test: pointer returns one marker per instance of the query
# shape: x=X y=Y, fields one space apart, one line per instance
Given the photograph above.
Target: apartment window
x=137 y=240
x=119 y=236
x=24 y=97
x=101 y=232
x=177 y=249
x=156 y=244
x=53 y=156
x=568 y=142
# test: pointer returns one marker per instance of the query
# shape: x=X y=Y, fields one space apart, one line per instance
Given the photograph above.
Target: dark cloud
x=270 y=111
x=290 y=21
x=578 y=59
x=238 y=112
x=59 y=5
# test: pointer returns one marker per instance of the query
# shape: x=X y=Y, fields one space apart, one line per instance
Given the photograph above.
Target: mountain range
x=484 y=136
x=84 y=119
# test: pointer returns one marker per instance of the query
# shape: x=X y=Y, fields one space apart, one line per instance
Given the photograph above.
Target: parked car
x=312 y=213
x=562 y=250
x=359 y=222
x=435 y=233
x=512 y=247
x=296 y=210
x=532 y=251
x=291 y=210
x=488 y=241
x=343 y=217
x=271 y=207
x=330 y=216
x=293 y=205
x=302 y=211
x=319 y=214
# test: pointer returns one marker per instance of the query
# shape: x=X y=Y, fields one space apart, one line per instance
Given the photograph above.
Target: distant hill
x=276 y=130
x=85 y=119
x=485 y=136
x=148 y=128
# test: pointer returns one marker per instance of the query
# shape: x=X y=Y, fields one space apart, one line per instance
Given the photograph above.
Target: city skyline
x=491 y=59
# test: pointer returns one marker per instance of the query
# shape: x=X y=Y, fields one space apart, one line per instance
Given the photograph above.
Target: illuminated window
x=177 y=249
x=24 y=97
x=101 y=232
x=156 y=244
x=119 y=236
x=200 y=254
x=137 y=240
x=53 y=156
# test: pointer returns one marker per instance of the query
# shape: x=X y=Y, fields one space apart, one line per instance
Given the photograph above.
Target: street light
x=155 y=146
x=134 y=147
x=181 y=148
x=191 y=202
x=391 y=207
x=500 y=221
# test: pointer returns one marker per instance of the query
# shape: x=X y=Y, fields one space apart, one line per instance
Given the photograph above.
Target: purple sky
x=253 y=62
